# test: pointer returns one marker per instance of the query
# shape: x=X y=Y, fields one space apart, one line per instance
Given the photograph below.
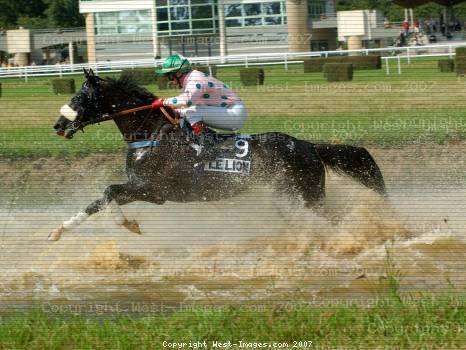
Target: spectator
x=406 y=28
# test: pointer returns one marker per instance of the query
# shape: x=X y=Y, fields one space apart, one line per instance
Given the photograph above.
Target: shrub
x=460 y=61
x=460 y=67
x=252 y=76
x=142 y=76
x=338 y=71
x=313 y=65
x=205 y=69
x=446 y=66
x=63 y=86
x=461 y=52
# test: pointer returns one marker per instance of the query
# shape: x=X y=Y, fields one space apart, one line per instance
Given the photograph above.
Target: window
x=123 y=22
x=253 y=21
x=162 y=14
x=272 y=21
x=202 y=24
x=271 y=8
x=316 y=8
x=234 y=22
x=252 y=9
x=255 y=14
x=198 y=12
x=181 y=17
x=161 y=27
x=179 y=13
x=178 y=2
x=233 y=10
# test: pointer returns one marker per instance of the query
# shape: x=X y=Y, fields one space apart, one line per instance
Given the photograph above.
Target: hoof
x=132 y=226
x=55 y=235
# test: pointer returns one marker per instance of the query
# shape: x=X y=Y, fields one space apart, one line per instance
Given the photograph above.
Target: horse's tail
x=355 y=162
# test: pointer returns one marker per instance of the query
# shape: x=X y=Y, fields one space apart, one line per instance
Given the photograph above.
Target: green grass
x=425 y=323
x=421 y=105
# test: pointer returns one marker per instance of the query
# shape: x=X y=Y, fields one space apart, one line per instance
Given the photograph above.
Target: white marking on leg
x=75 y=221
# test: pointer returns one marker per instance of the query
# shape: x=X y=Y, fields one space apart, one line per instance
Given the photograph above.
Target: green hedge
x=252 y=76
x=205 y=69
x=63 y=86
x=338 y=71
x=461 y=52
x=460 y=61
x=446 y=66
x=314 y=65
x=143 y=76
x=460 y=67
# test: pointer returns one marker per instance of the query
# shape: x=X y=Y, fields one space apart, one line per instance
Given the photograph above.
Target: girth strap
x=143 y=144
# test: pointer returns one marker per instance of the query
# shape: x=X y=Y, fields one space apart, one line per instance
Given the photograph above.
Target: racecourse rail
x=285 y=59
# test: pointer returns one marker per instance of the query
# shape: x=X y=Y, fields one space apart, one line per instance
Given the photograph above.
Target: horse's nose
x=60 y=126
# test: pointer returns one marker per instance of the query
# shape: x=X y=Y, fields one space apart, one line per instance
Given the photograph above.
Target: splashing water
x=258 y=247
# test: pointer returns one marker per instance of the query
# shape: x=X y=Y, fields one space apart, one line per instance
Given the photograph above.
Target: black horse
x=162 y=164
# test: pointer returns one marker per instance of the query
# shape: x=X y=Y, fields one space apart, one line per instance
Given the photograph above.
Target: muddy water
x=257 y=248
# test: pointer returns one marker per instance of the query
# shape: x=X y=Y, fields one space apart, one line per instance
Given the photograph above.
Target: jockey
x=205 y=101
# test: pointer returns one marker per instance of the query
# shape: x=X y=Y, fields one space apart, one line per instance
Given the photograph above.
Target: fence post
x=387 y=67
x=450 y=51
x=26 y=74
x=408 y=54
x=60 y=71
x=399 y=64
x=246 y=61
x=286 y=62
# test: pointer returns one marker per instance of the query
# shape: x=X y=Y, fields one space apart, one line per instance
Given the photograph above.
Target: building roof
x=415 y=3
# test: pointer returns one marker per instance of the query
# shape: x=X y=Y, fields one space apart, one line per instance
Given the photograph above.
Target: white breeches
x=227 y=118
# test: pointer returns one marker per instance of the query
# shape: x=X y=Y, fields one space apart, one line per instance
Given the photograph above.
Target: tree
x=64 y=13
x=12 y=10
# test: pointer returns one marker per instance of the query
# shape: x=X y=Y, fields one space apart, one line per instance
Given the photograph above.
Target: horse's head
x=84 y=108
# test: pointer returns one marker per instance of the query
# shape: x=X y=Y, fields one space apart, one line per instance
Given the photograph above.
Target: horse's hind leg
x=114 y=195
x=308 y=176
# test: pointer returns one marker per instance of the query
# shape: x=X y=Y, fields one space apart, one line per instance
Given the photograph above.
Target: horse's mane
x=130 y=87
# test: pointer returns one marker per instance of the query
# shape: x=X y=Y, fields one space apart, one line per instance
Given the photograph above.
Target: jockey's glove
x=157 y=103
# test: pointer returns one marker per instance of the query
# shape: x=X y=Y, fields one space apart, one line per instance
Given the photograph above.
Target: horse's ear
x=91 y=73
x=86 y=73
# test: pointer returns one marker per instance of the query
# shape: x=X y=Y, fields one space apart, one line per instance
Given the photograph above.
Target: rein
x=174 y=121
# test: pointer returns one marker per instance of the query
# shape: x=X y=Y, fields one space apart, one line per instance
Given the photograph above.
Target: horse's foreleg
x=114 y=194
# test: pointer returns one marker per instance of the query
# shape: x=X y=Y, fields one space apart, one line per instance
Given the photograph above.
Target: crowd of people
x=416 y=35
x=434 y=26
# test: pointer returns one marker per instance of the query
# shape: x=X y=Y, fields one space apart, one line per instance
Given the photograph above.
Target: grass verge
x=424 y=323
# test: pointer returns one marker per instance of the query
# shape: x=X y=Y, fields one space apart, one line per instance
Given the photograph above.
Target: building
x=127 y=29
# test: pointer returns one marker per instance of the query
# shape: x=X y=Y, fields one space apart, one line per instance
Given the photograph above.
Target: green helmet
x=174 y=64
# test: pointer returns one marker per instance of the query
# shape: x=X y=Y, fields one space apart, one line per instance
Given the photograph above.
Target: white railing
x=246 y=60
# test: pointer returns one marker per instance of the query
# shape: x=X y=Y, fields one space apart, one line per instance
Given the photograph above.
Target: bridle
x=95 y=99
